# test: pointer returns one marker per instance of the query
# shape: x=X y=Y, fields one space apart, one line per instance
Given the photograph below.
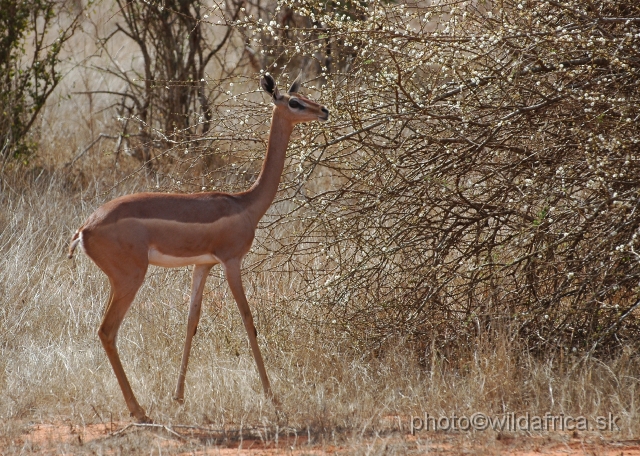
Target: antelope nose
x=326 y=111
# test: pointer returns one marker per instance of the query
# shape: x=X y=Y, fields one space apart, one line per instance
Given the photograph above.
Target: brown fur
x=208 y=228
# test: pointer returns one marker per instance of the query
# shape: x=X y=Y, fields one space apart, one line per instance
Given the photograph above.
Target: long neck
x=263 y=191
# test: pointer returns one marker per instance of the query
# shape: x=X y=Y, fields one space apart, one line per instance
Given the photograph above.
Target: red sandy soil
x=123 y=438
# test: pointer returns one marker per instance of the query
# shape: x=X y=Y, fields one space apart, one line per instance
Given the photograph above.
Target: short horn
x=295 y=87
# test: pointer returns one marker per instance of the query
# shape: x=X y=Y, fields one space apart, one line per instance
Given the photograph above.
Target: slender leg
x=200 y=273
x=232 y=271
x=122 y=293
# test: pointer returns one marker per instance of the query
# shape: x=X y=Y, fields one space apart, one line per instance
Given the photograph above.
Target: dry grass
x=54 y=370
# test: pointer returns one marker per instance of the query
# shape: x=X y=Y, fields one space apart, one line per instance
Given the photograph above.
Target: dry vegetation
x=54 y=368
x=484 y=172
x=460 y=238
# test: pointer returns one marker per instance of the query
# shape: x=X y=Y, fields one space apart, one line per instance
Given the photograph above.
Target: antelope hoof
x=179 y=400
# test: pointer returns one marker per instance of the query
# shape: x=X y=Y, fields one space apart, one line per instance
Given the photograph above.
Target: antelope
x=127 y=234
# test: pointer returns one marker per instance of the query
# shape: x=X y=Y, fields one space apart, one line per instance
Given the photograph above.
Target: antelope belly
x=167 y=261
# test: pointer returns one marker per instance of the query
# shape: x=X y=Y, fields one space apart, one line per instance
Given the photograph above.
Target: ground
x=126 y=438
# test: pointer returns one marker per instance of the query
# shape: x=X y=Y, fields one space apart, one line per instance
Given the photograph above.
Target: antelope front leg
x=232 y=271
x=200 y=273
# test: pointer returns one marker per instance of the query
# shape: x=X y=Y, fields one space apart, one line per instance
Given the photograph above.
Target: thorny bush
x=480 y=171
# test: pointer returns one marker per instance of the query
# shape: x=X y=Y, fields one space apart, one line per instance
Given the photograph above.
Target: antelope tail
x=75 y=240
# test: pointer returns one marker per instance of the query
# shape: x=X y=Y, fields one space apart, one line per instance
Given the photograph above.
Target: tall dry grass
x=53 y=367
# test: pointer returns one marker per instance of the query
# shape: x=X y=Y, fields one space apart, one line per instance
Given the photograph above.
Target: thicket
x=481 y=172
x=165 y=92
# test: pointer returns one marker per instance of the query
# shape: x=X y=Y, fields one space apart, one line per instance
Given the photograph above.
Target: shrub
x=481 y=169
x=32 y=34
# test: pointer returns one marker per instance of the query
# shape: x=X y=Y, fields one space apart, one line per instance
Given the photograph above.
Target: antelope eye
x=294 y=104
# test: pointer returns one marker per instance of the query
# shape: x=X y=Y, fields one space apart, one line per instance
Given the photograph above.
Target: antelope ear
x=296 y=84
x=269 y=85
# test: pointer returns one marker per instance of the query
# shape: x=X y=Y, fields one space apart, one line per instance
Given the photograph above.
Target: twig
x=532 y=107
x=613 y=326
x=122 y=430
x=84 y=151
x=353 y=133
x=619 y=19
x=472 y=83
x=150 y=426
x=335 y=141
x=96 y=412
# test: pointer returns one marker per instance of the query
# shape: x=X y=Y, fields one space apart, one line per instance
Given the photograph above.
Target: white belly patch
x=167 y=261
